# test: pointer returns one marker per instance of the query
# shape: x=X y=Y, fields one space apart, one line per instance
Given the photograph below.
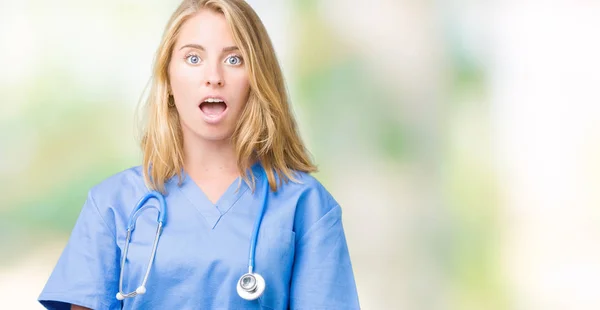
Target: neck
x=209 y=159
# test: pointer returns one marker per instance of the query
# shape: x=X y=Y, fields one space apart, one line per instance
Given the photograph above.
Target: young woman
x=223 y=213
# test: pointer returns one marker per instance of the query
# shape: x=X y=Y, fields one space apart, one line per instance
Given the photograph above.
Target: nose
x=214 y=76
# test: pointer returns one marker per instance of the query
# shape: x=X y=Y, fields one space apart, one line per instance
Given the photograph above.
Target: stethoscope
x=250 y=286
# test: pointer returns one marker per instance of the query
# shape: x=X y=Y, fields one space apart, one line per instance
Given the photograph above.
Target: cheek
x=242 y=87
x=181 y=79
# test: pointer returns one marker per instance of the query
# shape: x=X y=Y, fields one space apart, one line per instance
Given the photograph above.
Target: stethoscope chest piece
x=251 y=286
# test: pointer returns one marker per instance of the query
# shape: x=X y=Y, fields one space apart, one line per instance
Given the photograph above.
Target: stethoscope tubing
x=135 y=213
x=255 y=232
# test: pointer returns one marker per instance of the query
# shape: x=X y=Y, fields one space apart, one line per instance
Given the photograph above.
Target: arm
x=322 y=275
x=76 y=307
x=87 y=271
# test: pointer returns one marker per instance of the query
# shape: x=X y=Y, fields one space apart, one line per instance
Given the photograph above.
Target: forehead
x=207 y=28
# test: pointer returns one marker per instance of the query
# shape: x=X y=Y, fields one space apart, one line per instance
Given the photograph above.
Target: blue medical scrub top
x=301 y=250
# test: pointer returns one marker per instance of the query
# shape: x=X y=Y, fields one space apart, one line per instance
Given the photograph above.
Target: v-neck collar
x=212 y=213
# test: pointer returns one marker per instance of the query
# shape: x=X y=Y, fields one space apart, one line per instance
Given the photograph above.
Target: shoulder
x=311 y=199
x=123 y=185
x=308 y=186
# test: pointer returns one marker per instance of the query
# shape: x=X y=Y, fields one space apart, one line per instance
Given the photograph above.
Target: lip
x=213 y=119
x=214 y=97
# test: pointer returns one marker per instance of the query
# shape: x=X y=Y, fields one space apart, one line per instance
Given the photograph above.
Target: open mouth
x=213 y=107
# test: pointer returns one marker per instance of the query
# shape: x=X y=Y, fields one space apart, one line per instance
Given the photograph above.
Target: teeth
x=213 y=100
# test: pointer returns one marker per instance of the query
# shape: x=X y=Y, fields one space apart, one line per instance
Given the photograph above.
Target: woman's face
x=208 y=78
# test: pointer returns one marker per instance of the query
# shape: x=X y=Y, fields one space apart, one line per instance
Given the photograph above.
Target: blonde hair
x=266 y=130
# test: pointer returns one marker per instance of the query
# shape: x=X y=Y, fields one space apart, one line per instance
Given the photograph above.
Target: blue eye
x=234 y=60
x=192 y=59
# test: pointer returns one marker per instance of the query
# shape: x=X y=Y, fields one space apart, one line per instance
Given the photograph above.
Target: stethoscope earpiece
x=251 y=286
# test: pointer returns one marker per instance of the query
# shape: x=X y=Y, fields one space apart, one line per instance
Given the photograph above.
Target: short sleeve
x=87 y=272
x=322 y=274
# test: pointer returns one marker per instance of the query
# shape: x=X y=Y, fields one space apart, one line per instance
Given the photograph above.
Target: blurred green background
x=461 y=138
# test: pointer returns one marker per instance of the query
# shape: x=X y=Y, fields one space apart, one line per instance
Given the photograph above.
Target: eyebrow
x=200 y=47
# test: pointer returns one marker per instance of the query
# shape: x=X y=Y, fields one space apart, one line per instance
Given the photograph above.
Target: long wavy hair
x=266 y=130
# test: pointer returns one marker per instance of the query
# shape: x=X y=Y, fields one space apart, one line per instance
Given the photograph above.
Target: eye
x=192 y=59
x=234 y=60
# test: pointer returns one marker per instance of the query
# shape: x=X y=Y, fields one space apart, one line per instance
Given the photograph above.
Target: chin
x=203 y=132
x=214 y=135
